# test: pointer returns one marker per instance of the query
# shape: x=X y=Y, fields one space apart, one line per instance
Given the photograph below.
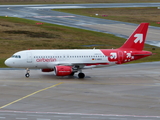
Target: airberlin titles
x=46 y=60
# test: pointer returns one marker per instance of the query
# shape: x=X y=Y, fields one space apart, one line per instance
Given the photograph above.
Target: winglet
x=137 y=39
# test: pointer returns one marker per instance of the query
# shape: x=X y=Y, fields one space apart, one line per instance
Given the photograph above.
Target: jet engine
x=63 y=70
x=47 y=70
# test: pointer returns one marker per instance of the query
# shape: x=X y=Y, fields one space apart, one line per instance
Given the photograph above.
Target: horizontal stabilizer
x=140 y=54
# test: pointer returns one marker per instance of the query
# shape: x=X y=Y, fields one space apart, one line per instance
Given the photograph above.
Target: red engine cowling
x=47 y=70
x=62 y=70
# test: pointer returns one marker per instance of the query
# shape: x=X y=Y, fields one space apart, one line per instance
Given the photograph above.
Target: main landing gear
x=27 y=73
x=81 y=75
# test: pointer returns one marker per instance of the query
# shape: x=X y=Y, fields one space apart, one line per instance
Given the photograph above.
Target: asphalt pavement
x=123 y=92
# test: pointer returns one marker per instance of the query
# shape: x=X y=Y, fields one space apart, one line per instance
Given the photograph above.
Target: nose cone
x=8 y=62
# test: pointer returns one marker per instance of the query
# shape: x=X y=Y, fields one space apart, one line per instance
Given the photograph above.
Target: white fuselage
x=85 y=58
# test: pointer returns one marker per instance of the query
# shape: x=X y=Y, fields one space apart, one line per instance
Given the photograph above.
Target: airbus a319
x=67 y=62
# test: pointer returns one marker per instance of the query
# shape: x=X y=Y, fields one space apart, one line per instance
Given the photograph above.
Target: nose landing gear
x=27 y=73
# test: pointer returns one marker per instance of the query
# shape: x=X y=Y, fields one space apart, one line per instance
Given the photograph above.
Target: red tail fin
x=137 y=39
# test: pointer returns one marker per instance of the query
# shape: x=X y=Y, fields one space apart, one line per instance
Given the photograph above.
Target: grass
x=71 y=1
x=132 y=15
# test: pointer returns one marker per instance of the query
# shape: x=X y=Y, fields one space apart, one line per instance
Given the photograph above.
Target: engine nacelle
x=47 y=70
x=63 y=70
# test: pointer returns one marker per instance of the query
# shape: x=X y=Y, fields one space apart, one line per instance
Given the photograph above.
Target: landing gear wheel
x=27 y=75
x=81 y=75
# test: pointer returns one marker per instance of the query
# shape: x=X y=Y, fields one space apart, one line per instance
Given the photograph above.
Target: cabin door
x=29 y=57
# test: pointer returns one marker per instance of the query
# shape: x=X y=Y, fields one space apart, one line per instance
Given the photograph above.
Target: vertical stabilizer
x=137 y=39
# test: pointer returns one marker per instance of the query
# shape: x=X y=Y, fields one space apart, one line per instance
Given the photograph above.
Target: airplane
x=65 y=62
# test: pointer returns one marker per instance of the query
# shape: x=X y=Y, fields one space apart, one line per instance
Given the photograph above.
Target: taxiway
x=124 y=92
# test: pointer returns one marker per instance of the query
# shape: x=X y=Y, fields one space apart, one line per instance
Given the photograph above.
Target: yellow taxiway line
x=31 y=95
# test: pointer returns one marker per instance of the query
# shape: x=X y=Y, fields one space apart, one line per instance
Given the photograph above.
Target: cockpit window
x=16 y=56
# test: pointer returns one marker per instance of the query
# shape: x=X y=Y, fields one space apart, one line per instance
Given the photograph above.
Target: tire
x=81 y=75
x=27 y=75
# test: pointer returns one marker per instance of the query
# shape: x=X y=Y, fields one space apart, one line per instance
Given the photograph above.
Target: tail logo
x=113 y=55
x=128 y=55
x=139 y=38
